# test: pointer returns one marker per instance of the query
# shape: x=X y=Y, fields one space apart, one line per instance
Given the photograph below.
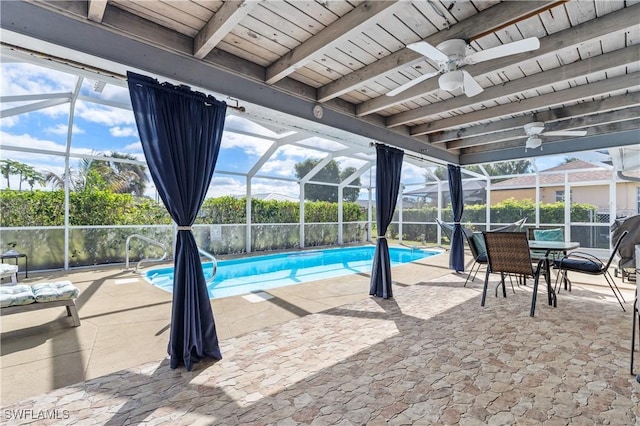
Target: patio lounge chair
x=586 y=263
x=636 y=316
x=11 y=271
x=626 y=255
x=447 y=229
x=475 y=240
x=516 y=226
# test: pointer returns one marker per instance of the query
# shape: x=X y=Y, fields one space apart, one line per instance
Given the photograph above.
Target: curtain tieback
x=183 y=228
x=382 y=236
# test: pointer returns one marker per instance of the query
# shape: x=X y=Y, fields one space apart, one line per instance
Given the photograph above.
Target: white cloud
x=121 y=132
x=30 y=79
x=299 y=153
x=11 y=121
x=32 y=142
x=61 y=129
x=277 y=167
x=250 y=145
x=105 y=115
x=25 y=140
x=412 y=174
x=226 y=185
x=135 y=147
x=109 y=93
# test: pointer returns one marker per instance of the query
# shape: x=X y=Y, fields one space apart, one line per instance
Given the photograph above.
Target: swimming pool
x=250 y=274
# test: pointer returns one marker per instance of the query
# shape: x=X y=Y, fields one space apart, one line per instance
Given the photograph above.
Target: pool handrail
x=213 y=260
x=148 y=240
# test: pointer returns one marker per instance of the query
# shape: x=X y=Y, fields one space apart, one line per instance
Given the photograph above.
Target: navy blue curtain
x=388 y=170
x=456 y=255
x=180 y=131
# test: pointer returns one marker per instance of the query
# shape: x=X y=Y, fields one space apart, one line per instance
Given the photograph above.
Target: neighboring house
x=587 y=183
x=474 y=192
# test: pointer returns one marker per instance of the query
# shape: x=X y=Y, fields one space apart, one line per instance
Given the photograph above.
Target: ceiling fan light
x=450 y=81
x=533 y=143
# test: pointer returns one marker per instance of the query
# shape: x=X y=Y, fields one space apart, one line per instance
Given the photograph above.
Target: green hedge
x=45 y=247
x=507 y=211
x=46 y=208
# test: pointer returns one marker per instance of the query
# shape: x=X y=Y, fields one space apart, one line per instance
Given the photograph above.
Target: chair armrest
x=582 y=255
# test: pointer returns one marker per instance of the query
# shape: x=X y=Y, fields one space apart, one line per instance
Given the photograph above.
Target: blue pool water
x=249 y=274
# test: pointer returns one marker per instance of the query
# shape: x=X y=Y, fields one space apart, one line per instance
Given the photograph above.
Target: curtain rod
x=89 y=68
x=406 y=154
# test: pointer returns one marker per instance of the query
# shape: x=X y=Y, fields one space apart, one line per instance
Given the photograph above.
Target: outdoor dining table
x=551 y=247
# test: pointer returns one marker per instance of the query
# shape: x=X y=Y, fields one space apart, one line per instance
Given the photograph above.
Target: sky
x=99 y=128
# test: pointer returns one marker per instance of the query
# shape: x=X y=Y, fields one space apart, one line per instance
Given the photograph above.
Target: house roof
x=274 y=196
x=594 y=173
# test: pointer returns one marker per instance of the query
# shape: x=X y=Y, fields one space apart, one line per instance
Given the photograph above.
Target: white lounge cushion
x=14 y=295
x=59 y=290
x=7 y=270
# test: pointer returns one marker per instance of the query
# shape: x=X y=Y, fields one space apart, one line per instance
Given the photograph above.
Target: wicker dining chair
x=508 y=253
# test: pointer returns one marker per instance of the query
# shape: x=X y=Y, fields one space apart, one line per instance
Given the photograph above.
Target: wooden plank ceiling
x=346 y=56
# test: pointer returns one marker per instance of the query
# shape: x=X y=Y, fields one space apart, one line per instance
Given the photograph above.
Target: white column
x=301 y=214
x=400 y=214
x=249 y=220
x=567 y=208
x=340 y=215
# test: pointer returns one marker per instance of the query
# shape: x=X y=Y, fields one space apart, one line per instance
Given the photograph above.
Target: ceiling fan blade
x=533 y=142
x=411 y=83
x=566 y=133
x=526 y=45
x=470 y=85
x=425 y=49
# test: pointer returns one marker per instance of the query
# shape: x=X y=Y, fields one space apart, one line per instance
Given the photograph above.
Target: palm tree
x=134 y=176
x=9 y=168
x=115 y=176
x=32 y=176
x=25 y=172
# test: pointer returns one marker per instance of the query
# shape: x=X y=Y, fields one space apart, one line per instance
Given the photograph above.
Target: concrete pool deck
x=40 y=351
x=431 y=354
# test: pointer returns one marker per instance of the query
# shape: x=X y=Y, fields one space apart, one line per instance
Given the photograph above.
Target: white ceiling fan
x=450 y=55
x=536 y=129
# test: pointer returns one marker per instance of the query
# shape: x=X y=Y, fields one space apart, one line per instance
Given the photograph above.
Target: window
x=559 y=195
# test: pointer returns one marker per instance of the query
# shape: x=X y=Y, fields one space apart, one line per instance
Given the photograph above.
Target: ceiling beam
x=96 y=10
x=486 y=20
x=570 y=124
x=571 y=38
x=575 y=94
x=222 y=22
x=354 y=22
x=559 y=147
x=24 y=55
x=608 y=61
x=606 y=128
x=602 y=105
x=122 y=50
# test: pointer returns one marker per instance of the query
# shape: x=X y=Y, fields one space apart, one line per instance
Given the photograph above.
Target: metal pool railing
x=148 y=240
